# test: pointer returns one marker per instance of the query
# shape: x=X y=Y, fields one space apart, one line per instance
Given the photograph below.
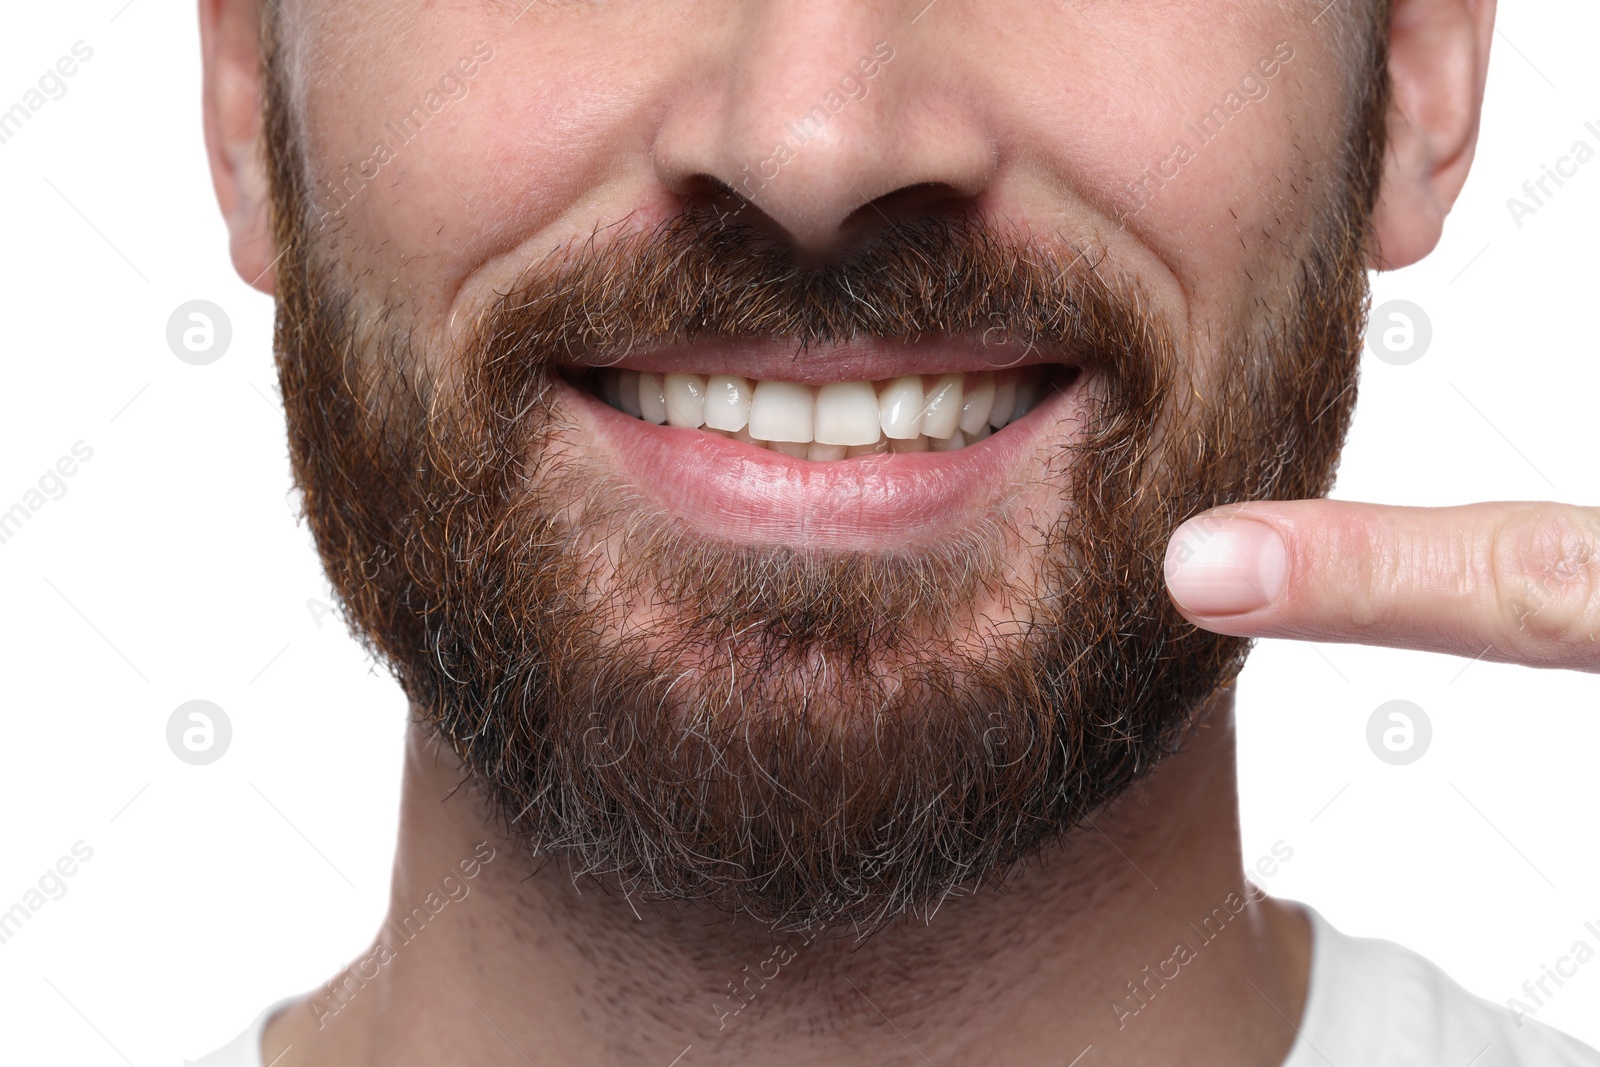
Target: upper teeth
x=911 y=413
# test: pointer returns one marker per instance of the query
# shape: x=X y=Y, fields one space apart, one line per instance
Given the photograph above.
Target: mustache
x=697 y=276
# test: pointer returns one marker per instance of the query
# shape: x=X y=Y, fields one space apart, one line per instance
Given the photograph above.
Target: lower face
x=779 y=609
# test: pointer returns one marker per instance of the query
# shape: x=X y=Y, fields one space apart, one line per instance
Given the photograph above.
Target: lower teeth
x=912 y=413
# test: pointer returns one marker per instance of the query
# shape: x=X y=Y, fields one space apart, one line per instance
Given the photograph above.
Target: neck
x=1134 y=936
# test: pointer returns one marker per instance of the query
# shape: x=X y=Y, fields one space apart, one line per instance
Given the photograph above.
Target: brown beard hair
x=803 y=740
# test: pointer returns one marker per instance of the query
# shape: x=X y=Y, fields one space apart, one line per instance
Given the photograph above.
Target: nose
x=832 y=117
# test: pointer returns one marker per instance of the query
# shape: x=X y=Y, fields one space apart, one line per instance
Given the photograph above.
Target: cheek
x=1171 y=130
x=528 y=150
x=441 y=184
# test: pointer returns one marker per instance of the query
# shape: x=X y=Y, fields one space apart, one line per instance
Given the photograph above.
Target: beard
x=800 y=734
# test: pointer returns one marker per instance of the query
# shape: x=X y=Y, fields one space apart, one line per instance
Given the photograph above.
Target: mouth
x=858 y=448
x=833 y=421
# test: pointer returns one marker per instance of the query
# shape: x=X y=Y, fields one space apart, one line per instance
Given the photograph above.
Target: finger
x=1515 y=581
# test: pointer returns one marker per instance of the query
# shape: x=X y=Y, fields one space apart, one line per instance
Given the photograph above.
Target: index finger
x=1513 y=581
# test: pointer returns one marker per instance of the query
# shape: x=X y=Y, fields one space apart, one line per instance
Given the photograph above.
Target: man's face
x=807 y=681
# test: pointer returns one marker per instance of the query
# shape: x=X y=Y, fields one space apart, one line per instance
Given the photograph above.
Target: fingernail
x=1225 y=566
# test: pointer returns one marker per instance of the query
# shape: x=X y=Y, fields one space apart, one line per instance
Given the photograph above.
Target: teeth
x=976 y=403
x=941 y=408
x=839 y=420
x=910 y=444
x=686 y=400
x=847 y=414
x=1005 y=401
x=900 y=408
x=727 y=402
x=611 y=389
x=820 y=451
x=628 y=389
x=1027 y=391
x=652 y=400
x=782 y=411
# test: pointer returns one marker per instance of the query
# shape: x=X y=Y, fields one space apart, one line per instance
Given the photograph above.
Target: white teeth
x=900 y=408
x=839 y=420
x=727 y=402
x=782 y=411
x=941 y=406
x=1005 y=401
x=652 y=401
x=686 y=400
x=628 y=389
x=976 y=403
x=847 y=414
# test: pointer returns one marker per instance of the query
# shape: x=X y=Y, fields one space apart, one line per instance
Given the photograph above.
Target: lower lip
x=734 y=491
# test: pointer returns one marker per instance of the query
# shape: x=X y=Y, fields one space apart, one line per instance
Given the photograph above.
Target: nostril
x=904 y=207
x=722 y=202
x=725 y=203
x=909 y=203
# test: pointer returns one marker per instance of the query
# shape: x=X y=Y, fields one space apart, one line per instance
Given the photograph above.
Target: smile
x=811 y=452
x=834 y=421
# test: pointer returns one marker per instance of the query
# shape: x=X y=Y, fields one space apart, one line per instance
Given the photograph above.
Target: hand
x=1517 y=582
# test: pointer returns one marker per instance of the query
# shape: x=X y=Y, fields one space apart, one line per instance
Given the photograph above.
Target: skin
x=1043 y=113
x=1021 y=977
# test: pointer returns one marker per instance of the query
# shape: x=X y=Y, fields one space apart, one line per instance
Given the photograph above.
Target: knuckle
x=1545 y=570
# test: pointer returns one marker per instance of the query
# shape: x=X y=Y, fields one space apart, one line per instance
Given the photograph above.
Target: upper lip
x=863 y=359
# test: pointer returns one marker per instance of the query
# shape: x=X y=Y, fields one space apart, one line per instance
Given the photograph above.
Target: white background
x=173 y=569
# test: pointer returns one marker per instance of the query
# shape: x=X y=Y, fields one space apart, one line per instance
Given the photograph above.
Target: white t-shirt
x=1375 y=1003
x=1371 y=1003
